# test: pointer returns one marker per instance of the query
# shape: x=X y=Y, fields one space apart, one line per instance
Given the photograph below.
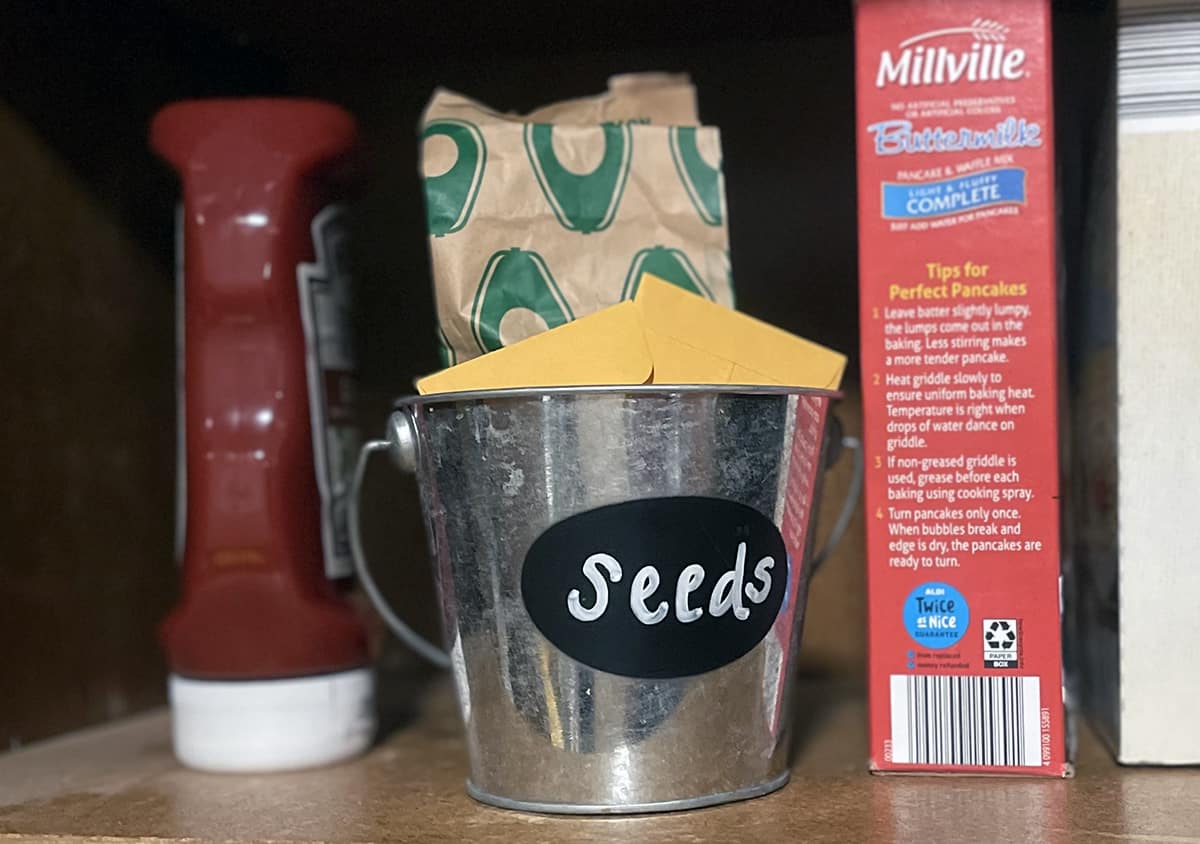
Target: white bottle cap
x=272 y=725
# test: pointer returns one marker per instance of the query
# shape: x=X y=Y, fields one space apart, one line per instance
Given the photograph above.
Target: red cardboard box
x=959 y=354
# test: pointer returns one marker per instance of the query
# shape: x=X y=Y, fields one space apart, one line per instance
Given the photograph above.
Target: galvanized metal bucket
x=587 y=682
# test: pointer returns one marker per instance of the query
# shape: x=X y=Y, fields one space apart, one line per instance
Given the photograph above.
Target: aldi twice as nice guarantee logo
x=936 y=615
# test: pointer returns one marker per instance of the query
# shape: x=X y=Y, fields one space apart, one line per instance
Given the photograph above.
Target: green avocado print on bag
x=540 y=218
x=445 y=350
x=450 y=197
x=702 y=182
x=669 y=265
x=515 y=281
x=586 y=202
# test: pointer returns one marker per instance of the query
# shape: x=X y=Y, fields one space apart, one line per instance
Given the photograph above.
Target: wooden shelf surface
x=120 y=782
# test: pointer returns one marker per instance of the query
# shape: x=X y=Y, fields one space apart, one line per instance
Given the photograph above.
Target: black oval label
x=657 y=587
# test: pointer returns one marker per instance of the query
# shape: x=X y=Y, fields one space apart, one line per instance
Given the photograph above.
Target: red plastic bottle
x=269 y=664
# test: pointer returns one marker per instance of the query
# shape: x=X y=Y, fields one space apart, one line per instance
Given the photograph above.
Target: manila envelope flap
x=605 y=348
x=694 y=341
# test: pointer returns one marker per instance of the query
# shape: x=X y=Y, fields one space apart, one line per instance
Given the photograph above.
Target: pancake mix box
x=959 y=354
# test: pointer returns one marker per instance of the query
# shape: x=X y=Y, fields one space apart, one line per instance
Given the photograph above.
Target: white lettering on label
x=644 y=584
x=762 y=573
x=726 y=594
x=689 y=579
x=728 y=591
x=988 y=59
x=591 y=572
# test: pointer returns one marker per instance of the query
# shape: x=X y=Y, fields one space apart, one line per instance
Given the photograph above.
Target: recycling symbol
x=1000 y=635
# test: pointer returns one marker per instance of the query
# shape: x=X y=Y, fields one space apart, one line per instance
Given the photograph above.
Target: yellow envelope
x=694 y=341
x=665 y=336
x=607 y=347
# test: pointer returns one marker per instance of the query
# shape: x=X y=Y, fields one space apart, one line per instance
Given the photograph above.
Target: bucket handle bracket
x=402 y=445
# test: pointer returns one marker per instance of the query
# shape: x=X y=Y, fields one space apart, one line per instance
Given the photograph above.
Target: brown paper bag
x=535 y=221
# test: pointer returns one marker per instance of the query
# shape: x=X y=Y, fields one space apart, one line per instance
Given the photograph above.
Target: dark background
x=86 y=329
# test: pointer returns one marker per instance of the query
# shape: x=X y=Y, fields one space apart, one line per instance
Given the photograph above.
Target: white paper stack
x=1158 y=61
x=1135 y=348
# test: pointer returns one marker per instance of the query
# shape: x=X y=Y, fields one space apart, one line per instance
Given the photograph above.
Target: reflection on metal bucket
x=548 y=731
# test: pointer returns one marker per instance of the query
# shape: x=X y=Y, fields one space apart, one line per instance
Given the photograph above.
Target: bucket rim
x=415 y=401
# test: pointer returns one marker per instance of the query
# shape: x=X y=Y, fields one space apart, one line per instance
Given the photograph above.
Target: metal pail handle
x=401 y=442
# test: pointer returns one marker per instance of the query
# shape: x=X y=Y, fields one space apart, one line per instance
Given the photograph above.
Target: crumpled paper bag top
x=538 y=220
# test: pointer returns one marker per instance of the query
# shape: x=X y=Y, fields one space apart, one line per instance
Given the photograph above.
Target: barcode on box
x=986 y=722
